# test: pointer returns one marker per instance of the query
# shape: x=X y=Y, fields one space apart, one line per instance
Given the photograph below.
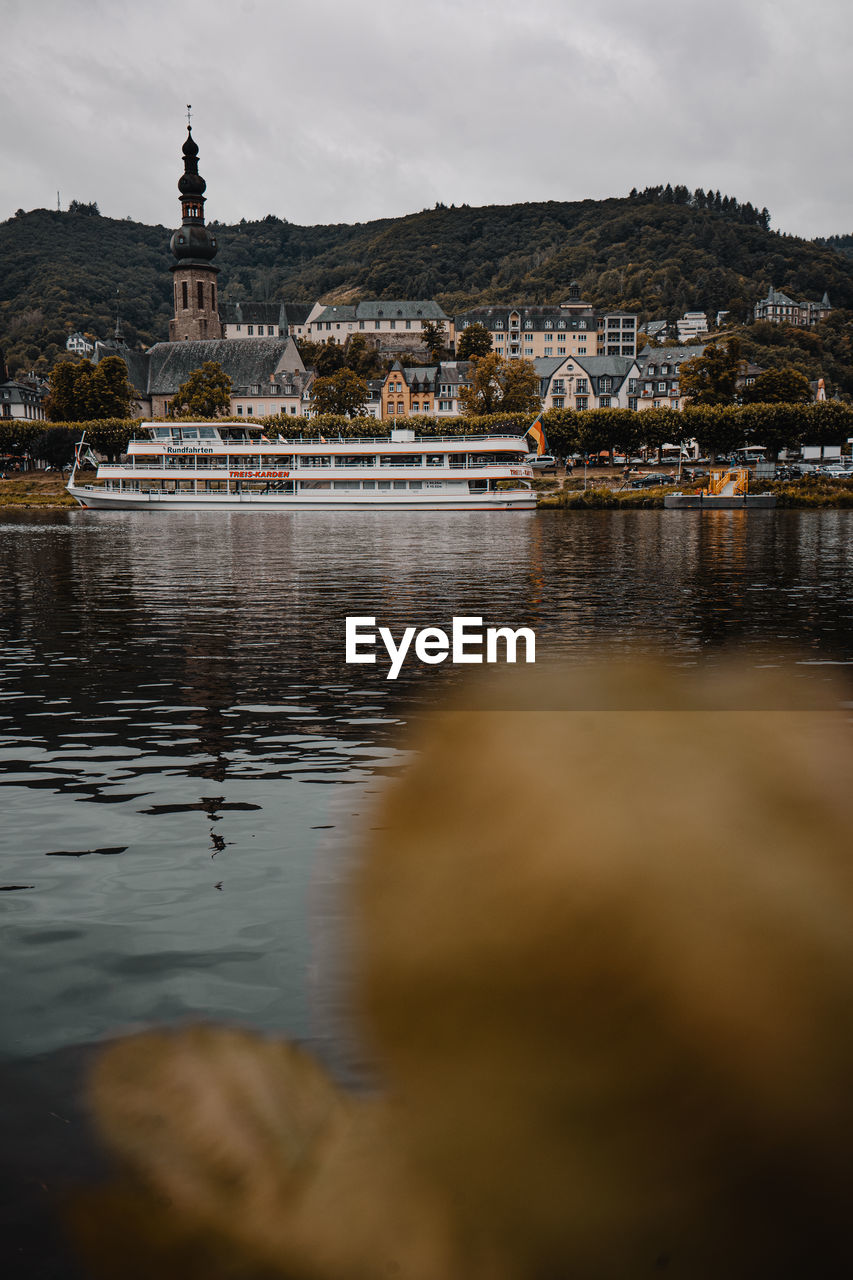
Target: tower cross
x=189 y=114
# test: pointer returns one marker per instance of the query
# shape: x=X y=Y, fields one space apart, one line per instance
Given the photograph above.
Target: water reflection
x=184 y=755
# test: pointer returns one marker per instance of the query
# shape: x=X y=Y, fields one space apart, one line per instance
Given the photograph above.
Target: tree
x=84 y=392
x=434 y=335
x=61 y=403
x=329 y=358
x=361 y=358
x=500 y=386
x=55 y=446
x=778 y=386
x=111 y=392
x=712 y=377
x=205 y=394
x=90 y=209
x=475 y=340
x=342 y=393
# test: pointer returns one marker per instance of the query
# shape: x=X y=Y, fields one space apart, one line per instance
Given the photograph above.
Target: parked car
x=542 y=462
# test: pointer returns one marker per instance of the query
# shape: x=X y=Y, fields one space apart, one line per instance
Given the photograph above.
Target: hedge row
x=717 y=429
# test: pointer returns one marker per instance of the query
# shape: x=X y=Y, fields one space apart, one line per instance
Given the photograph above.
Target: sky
x=328 y=111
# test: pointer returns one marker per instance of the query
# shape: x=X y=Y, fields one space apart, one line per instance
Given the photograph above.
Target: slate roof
x=538 y=314
x=294 y=384
x=253 y=313
x=14 y=392
x=777 y=297
x=449 y=373
x=383 y=310
x=298 y=312
x=656 y=356
x=606 y=366
x=164 y=367
x=136 y=361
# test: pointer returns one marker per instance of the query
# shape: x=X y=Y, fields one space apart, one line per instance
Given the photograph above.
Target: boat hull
x=105 y=500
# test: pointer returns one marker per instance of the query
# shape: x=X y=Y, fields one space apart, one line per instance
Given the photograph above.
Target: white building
x=79 y=344
x=692 y=325
x=588 y=382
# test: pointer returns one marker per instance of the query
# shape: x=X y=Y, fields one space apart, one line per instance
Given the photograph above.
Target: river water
x=185 y=757
x=186 y=761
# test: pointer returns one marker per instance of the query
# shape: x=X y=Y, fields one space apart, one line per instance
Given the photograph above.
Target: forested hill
x=647 y=253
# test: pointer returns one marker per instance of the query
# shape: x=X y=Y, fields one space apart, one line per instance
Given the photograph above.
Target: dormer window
x=549 y=324
x=499 y=324
x=528 y=324
x=561 y=324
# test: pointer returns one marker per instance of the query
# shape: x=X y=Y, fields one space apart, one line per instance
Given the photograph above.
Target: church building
x=267 y=375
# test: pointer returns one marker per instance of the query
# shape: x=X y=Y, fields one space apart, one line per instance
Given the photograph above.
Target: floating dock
x=728 y=490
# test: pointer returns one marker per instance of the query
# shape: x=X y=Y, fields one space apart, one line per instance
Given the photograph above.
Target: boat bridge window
x=355 y=460
x=400 y=460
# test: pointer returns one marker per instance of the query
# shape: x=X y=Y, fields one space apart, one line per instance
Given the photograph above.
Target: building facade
x=432 y=390
x=693 y=324
x=79 y=344
x=263 y=319
x=23 y=400
x=574 y=328
x=778 y=308
x=658 y=384
x=388 y=325
x=588 y=382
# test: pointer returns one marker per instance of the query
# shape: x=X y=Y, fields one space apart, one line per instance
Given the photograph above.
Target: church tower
x=194 y=247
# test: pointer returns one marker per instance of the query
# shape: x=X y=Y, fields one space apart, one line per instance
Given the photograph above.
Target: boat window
x=368 y=484
x=207 y=433
x=400 y=460
x=399 y=484
x=189 y=433
x=163 y=433
x=435 y=459
x=416 y=484
x=383 y=484
x=315 y=460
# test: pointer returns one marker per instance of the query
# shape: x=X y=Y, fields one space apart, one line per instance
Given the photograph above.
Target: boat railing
x=190 y=462
x=255 y=442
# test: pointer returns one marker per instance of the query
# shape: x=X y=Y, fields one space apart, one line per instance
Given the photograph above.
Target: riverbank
x=600 y=496
x=35 y=489
x=40 y=489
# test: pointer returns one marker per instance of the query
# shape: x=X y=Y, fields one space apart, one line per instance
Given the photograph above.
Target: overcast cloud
x=328 y=111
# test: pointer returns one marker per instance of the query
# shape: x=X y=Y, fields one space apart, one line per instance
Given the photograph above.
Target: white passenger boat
x=228 y=467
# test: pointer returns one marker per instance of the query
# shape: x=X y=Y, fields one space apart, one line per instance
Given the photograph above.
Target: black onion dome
x=194 y=241
x=191 y=183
